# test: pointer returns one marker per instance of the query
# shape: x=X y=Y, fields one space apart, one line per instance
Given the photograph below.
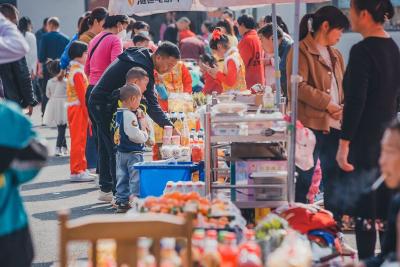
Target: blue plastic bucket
x=154 y=177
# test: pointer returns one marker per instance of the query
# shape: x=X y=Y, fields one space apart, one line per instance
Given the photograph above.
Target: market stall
x=203 y=200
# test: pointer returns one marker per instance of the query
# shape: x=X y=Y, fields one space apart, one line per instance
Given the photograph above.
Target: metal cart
x=213 y=171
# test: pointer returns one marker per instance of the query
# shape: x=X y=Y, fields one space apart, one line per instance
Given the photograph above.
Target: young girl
x=77 y=112
x=321 y=95
x=233 y=76
x=56 y=112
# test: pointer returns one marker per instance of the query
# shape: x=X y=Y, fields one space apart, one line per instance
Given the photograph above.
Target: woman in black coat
x=371 y=85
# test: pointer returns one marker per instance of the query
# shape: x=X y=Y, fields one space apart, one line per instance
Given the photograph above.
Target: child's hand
x=140 y=114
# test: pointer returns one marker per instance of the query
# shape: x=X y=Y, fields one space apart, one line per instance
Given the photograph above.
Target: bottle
x=193 y=135
x=185 y=134
x=201 y=134
x=211 y=256
x=178 y=124
x=169 y=257
x=173 y=117
x=268 y=98
x=249 y=251
x=170 y=187
x=228 y=251
x=145 y=259
x=196 y=152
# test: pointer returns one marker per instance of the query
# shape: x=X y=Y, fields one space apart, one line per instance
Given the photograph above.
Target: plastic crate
x=154 y=177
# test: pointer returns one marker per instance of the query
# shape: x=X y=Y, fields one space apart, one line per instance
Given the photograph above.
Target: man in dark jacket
x=51 y=46
x=15 y=76
x=102 y=107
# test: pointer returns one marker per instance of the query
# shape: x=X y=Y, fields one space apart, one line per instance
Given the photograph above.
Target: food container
x=224 y=98
x=226 y=130
x=278 y=182
x=229 y=108
x=166 y=140
x=168 y=131
x=176 y=140
x=176 y=151
x=166 y=152
x=185 y=151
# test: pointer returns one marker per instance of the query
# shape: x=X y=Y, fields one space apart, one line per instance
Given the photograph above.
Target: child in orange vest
x=78 y=117
x=233 y=76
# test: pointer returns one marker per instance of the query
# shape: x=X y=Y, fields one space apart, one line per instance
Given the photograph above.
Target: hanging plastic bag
x=305 y=145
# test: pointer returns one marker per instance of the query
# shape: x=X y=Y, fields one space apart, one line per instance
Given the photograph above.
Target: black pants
x=16 y=249
x=43 y=85
x=325 y=150
x=61 y=140
x=366 y=240
x=101 y=120
x=91 y=142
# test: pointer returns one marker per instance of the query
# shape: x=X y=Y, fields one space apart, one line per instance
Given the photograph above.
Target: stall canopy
x=147 y=7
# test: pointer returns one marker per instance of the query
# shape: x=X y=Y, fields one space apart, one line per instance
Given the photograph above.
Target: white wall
x=68 y=11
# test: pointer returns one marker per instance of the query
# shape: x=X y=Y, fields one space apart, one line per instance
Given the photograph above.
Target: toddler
x=56 y=112
x=130 y=139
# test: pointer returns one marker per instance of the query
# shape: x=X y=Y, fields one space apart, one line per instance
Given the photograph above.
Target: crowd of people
x=111 y=72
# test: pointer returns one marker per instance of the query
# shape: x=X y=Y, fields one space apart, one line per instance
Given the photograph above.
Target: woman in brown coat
x=320 y=93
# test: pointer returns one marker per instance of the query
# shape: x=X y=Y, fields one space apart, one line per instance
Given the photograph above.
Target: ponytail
x=305 y=25
x=380 y=10
x=311 y=23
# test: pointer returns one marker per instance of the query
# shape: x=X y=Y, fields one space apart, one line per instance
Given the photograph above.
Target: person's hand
x=29 y=110
x=333 y=108
x=342 y=156
x=139 y=113
x=176 y=132
x=143 y=123
x=213 y=72
x=203 y=67
x=337 y=115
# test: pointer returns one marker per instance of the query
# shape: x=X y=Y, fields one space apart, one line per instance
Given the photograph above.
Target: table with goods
x=230 y=155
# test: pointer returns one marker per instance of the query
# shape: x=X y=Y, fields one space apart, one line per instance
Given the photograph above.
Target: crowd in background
x=113 y=62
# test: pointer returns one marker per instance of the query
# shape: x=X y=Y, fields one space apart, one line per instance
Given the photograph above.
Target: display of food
x=211 y=214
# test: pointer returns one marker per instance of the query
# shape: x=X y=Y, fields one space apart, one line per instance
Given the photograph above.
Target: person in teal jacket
x=21 y=158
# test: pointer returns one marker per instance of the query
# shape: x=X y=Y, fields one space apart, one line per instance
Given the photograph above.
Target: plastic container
x=154 y=177
x=168 y=131
x=176 y=140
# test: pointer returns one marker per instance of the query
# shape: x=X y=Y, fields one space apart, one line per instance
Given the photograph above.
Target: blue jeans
x=127 y=175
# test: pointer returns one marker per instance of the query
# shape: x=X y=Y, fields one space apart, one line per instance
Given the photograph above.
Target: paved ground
x=50 y=192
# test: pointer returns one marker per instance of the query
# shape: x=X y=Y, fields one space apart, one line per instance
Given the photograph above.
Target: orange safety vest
x=233 y=54
x=72 y=98
x=173 y=79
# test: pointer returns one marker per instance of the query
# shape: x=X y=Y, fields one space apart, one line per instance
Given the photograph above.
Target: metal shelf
x=238 y=119
x=258 y=204
x=262 y=186
x=277 y=137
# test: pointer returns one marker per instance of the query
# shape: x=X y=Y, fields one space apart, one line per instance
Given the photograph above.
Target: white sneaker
x=81 y=177
x=94 y=175
x=64 y=151
x=105 y=197
x=58 y=152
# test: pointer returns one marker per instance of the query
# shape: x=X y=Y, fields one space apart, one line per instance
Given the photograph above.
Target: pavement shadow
x=56 y=161
x=58 y=195
x=43 y=185
x=77 y=212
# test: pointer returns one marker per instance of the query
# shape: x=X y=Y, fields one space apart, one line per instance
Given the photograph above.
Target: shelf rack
x=213 y=142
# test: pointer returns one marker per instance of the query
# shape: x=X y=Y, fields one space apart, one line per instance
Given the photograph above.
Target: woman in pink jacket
x=104 y=48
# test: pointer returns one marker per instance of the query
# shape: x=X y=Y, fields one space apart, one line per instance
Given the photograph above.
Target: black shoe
x=123 y=207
